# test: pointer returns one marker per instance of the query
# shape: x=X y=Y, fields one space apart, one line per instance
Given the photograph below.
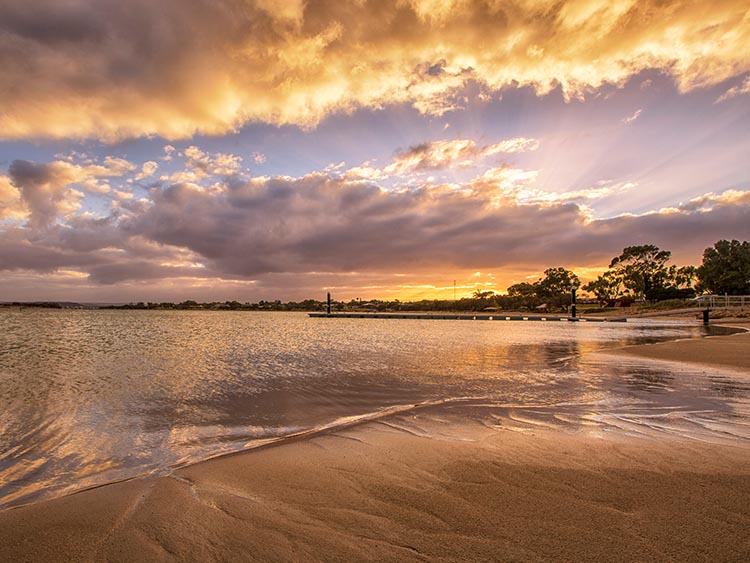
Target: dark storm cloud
x=136 y=270
x=54 y=22
x=85 y=234
x=20 y=251
x=319 y=223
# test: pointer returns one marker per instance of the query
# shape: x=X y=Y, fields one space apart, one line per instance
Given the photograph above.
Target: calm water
x=88 y=397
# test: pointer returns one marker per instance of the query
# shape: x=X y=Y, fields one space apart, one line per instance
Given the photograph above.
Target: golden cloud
x=11 y=205
x=177 y=67
x=438 y=155
x=148 y=169
x=734 y=91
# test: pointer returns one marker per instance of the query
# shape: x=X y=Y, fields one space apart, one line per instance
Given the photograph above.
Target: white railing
x=740 y=301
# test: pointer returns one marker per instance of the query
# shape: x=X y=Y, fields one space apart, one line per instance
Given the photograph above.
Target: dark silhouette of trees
x=479 y=294
x=554 y=289
x=556 y=282
x=642 y=272
x=642 y=268
x=607 y=287
x=523 y=289
x=725 y=268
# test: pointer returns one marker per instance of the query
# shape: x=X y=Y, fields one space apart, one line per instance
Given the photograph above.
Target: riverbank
x=423 y=486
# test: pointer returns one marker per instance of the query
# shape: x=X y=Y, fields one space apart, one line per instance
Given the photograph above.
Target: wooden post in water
x=573 y=302
x=328 y=304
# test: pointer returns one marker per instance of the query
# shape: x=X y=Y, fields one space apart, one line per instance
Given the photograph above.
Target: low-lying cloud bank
x=111 y=69
x=227 y=226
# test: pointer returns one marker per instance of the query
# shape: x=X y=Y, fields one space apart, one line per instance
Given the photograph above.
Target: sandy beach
x=423 y=486
x=721 y=351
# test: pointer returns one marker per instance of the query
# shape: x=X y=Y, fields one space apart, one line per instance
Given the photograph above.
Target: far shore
x=424 y=486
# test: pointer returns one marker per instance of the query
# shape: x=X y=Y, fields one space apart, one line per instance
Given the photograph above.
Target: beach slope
x=422 y=486
x=732 y=351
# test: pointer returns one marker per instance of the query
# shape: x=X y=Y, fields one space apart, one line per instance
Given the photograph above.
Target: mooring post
x=706 y=312
x=328 y=304
x=573 y=302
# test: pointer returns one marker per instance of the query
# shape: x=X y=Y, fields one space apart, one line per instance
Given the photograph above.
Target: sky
x=279 y=149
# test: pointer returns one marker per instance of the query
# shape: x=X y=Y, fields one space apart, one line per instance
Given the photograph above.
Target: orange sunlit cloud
x=174 y=68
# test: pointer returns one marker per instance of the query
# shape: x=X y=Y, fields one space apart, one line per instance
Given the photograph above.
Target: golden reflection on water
x=88 y=397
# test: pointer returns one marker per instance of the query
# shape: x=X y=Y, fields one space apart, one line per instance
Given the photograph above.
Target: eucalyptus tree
x=725 y=268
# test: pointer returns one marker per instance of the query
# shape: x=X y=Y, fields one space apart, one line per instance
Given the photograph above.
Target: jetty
x=328 y=314
x=464 y=317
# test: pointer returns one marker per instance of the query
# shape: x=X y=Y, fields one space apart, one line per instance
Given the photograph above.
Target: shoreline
x=724 y=351
x=383 y=491
x=416 y=485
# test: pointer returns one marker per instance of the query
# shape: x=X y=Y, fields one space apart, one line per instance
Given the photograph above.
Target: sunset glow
x=276 y=149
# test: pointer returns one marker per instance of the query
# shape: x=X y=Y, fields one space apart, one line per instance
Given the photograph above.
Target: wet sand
x=731 y=351
x=423 y=486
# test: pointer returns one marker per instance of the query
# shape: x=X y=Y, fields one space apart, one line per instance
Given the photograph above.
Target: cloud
x=11 y=206
x=288 y=232
x=199 y=165
x=708 y=202
x=516 y=144
x=631 y=118
x=206 y=164
x=48 y=191
x=169 y=151
x=433 y=156
x=519 y=186
x=136 y=270
x=738 y=90
x=112 y=70
x=21 y=249
x=44 y=190
x=439 y=155
x=320 y=223
x=148 y=169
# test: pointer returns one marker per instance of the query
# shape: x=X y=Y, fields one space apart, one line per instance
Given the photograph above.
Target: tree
x=479 y=294
x=556 y=282
x=684 y=276
x=642 y=268
x=555 y=288
x=725 y=268
x=523 y=289
x=643 y=271
x=606 y=288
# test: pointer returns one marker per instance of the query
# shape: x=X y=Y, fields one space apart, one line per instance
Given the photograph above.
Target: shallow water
x=89 y=397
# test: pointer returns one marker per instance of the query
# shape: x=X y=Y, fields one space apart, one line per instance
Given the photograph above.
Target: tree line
x=643 y=272
x=640 y=272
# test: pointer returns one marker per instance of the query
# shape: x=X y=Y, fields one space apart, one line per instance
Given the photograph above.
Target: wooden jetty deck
x=465 y=317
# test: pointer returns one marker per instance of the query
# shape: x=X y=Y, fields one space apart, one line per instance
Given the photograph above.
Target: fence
x=713 y=301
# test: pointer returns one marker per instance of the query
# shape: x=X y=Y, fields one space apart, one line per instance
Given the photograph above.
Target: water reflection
x=649 y=380
x=88 y=397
